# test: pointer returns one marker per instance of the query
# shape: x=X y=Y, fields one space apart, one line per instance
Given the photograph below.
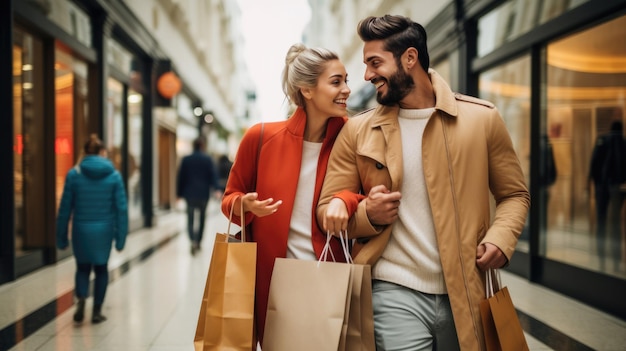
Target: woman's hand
x=336 y=216
x=260 y=208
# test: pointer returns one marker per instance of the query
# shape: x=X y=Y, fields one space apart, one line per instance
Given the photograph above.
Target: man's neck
x=422 y=96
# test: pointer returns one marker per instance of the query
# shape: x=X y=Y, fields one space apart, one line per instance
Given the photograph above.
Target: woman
x=280 y=190
x=95 y=199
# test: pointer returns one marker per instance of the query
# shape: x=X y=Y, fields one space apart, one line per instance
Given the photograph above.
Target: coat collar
x=444 y=101
x=297 y=122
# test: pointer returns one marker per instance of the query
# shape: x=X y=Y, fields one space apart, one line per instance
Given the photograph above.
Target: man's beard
x=399 y=85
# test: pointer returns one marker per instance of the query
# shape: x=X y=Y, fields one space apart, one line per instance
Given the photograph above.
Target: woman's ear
x=306 y=93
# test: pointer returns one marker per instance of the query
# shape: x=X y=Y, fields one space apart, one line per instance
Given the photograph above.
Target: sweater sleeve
x=350 y=199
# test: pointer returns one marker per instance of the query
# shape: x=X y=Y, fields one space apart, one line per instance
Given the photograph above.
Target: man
x=427 y=159
x=607 y=171
x=196 y=177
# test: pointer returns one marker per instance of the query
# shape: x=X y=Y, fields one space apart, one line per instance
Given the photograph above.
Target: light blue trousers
x=409 y=320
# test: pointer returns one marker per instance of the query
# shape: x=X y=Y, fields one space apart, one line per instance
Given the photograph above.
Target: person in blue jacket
x=196 y=177
x=95 y=199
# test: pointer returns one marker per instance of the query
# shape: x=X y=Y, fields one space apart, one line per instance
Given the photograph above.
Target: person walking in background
x=95 y=199
x=607 y=171
x=426 y=159
x=280 y=189
x=197 y=176
x=224 y=166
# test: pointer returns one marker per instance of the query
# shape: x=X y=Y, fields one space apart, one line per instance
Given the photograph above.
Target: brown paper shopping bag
x=501 y=326
x=199 y=336
x=318 y=305
x=306 y=306
x=226 y=319
x=359 y=334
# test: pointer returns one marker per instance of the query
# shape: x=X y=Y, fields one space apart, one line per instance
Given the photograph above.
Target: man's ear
x=411 y=56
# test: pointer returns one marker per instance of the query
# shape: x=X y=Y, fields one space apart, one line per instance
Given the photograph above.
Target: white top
x=411 y=258
x=299 y=244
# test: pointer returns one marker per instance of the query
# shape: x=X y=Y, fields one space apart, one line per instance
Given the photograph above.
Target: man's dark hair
x=398 y=33
x=617 y=126
x=198 y=144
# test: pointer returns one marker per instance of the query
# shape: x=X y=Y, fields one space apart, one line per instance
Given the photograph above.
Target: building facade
x=556 y=70
x=147 y=76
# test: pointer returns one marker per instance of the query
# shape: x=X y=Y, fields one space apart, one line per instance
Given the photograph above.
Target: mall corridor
x=156 y=287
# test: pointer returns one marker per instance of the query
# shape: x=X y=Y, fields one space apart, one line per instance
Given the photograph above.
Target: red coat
x=277 y=177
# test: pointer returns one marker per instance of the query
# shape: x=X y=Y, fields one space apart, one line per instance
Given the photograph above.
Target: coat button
x=379 y=165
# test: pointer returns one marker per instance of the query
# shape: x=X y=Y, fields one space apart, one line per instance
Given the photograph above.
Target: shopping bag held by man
x=501 y=327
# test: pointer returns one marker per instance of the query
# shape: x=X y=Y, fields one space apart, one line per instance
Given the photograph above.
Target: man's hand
x=381 y=205
x=489 y=256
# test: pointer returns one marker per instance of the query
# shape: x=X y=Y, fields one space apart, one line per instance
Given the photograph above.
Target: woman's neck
x=315 y=129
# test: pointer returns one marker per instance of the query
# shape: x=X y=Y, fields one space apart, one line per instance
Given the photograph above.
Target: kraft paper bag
x=501 y=326
x=199 y=336
x=359 y=335
x=308 y=305
x=226 y=319
x=310 y=317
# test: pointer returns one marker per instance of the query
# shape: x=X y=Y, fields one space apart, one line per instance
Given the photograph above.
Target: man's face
x=391 y=80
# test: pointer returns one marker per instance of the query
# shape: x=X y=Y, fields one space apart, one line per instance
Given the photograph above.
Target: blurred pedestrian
x=427 y=159
x=607 y=171
x=224 y=165
x=280 y=189
x=95 y=199
x=197 y=176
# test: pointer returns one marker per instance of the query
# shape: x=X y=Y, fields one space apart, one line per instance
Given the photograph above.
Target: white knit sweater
x=411 y=257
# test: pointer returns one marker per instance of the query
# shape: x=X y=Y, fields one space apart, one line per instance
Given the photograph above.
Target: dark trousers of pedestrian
x=609 y=200
x=101 y=281
x=196 y=208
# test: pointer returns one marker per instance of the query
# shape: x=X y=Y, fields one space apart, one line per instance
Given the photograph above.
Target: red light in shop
x=19 y=144
x=62 y=146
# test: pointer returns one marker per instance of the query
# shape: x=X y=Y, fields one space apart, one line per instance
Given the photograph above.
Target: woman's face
x=328 y=97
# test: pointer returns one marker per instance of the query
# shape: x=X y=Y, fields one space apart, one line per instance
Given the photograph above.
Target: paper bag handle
x=344 y=247
x=492 y=282
x=242 y=215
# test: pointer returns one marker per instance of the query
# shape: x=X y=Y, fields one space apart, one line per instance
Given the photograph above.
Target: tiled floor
x=153 y=301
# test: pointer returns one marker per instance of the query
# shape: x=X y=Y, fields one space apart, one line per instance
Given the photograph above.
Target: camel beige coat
x=467 y=155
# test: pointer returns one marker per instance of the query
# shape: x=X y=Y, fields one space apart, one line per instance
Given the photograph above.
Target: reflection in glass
x=508 y=87
x=586 y=86
x=516 y=17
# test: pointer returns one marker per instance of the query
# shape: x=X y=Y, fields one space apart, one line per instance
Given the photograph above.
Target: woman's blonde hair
x=303 y=66
x=94 y=145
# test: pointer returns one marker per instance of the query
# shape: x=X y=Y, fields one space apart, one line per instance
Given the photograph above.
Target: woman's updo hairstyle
x=303 y=66
x=94 y=145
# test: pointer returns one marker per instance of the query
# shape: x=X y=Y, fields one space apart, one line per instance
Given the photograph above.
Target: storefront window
x=135 y=127
x=516 y=17
x=114 y=122
x=28 y=137
x=508 y=87
x=585 y=103
x=71 y=119
x=448 y=69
